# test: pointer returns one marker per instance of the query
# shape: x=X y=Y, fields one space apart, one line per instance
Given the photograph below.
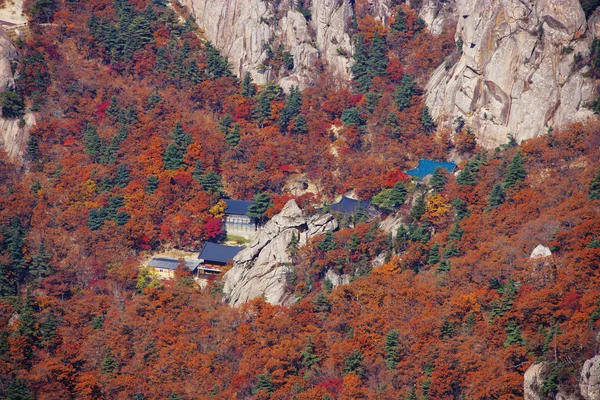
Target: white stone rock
x=260 y=269
x=540 y=251
x=589 y=383
x=509 y=79
x=532 y=381
x=241 y=29
x=337 y=279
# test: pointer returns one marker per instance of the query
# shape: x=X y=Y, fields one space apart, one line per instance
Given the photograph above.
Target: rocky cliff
x=589 y=382
x=518 y=72
x=13 y=134
x=250 y=32
x=260 y=269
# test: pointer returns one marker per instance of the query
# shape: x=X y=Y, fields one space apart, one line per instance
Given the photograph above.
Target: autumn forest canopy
x=142 y=129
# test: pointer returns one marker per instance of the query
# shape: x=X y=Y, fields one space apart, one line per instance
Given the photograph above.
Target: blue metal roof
x=218 y=253
x=348 y=205
x=426 y=167
x=237 y=207
x=172 y=263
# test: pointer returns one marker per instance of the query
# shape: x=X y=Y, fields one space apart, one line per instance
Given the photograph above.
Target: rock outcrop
x=517 y=73
x=540 y=251
x=244 y=30
x=260 y=269
x=13 y=133
x=533 y=379
x=589 y=384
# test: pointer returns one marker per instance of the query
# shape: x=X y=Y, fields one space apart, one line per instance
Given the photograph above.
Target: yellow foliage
x=218 y=210
x=436 y=208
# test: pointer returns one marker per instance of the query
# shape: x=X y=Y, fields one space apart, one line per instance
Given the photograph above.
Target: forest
x=142 y=129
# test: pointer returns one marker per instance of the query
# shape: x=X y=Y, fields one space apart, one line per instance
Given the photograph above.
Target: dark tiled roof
x=172 y=263
x=237 y=207
x=426 y=167
x=218 y=253
x=348 y=205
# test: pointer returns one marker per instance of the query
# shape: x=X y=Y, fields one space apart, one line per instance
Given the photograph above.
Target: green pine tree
x=262 y=111
x=257 y=210
x=327 y=243
x=418 y=209
x=13 y=105
x=91 y=142
x=264 y=382
x=151 y=184
x=434 y=255
x=248 y=88
x=392 y=126
x=400 y=21
x=404 y=92
x=216 y=65
x=211 y=182
x=516 y=171
x=300 y=126
x=438 y=179
x=594 y=189
x=427 y=121
x=321 y=304
x=173 y=157
x=460 y=208
x=39 y=267
x=233 y=137
x=360 y=68
x=456 y=232
x=122 y=176
x=378 y=60
x=309 y=359
x=109 y=364
x=291 y=108
x=392 y=350
x=17 y=390
x=496 y=197
x=354 y=364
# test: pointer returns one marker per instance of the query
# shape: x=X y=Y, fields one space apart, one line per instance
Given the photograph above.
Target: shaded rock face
x=589 y=384
x=242 y=29
x=515 y=75
x=533 y=379
x=260 y=269
x=13 y=137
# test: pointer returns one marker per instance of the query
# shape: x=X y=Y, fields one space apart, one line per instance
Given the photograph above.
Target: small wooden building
x=165 y=266
x=236 y=221
x=214 y=257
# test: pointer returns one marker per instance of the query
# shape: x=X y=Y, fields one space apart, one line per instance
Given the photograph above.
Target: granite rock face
x=589 y=384
x=260 y=269
x=244 y=29
x=517 y=72
x=13 y=134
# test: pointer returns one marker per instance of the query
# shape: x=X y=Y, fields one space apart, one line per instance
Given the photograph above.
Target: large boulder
x=589 y=383
x=516 y=73
x=533 y=379
x=260 y=269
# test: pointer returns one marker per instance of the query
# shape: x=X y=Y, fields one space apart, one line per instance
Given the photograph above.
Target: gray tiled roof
x=172 y=263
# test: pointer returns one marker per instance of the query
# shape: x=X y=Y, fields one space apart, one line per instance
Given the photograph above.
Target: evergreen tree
x=248 y=88
x=516 y=171
x=33 y=147
x=7 y=285
x=447 y=330
x=456 y=232
x=13 y=105
x=198 y=171
x=211 y=182
x=39 y=267
x=434 y=255
x=27 y=327
x=378 y=60
x=114 y=203
x=451 y=250
x=594 y=190
x=353 y=116
x=300 y=126
x=91 y=142
x=327 y=243
x=388 y=199
x=182 y=138
x=496 y=197
x=121 y=218
x=460 y=208
x=321 y=304
x=257 y=210
x=233 y=137
x=418 y=209
x=293 y=245
x=392 y=351
x=444 y=266
x=151 y=184
x=427 y=121
x=392 y=126
x=225 y=123
x=262 y=111
x=404 y=92
x=109 y=364
x=48 y=327
x=173 y=157
x=122 y=176
x=291 y=108
x=216 y=65
x=354 y=364
x=309 y=359
x=17 y=390
x=400 y=21
x=438 y=179
x=360 y=68
x=513 y=335
x=96 y=218
x=264 y=383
